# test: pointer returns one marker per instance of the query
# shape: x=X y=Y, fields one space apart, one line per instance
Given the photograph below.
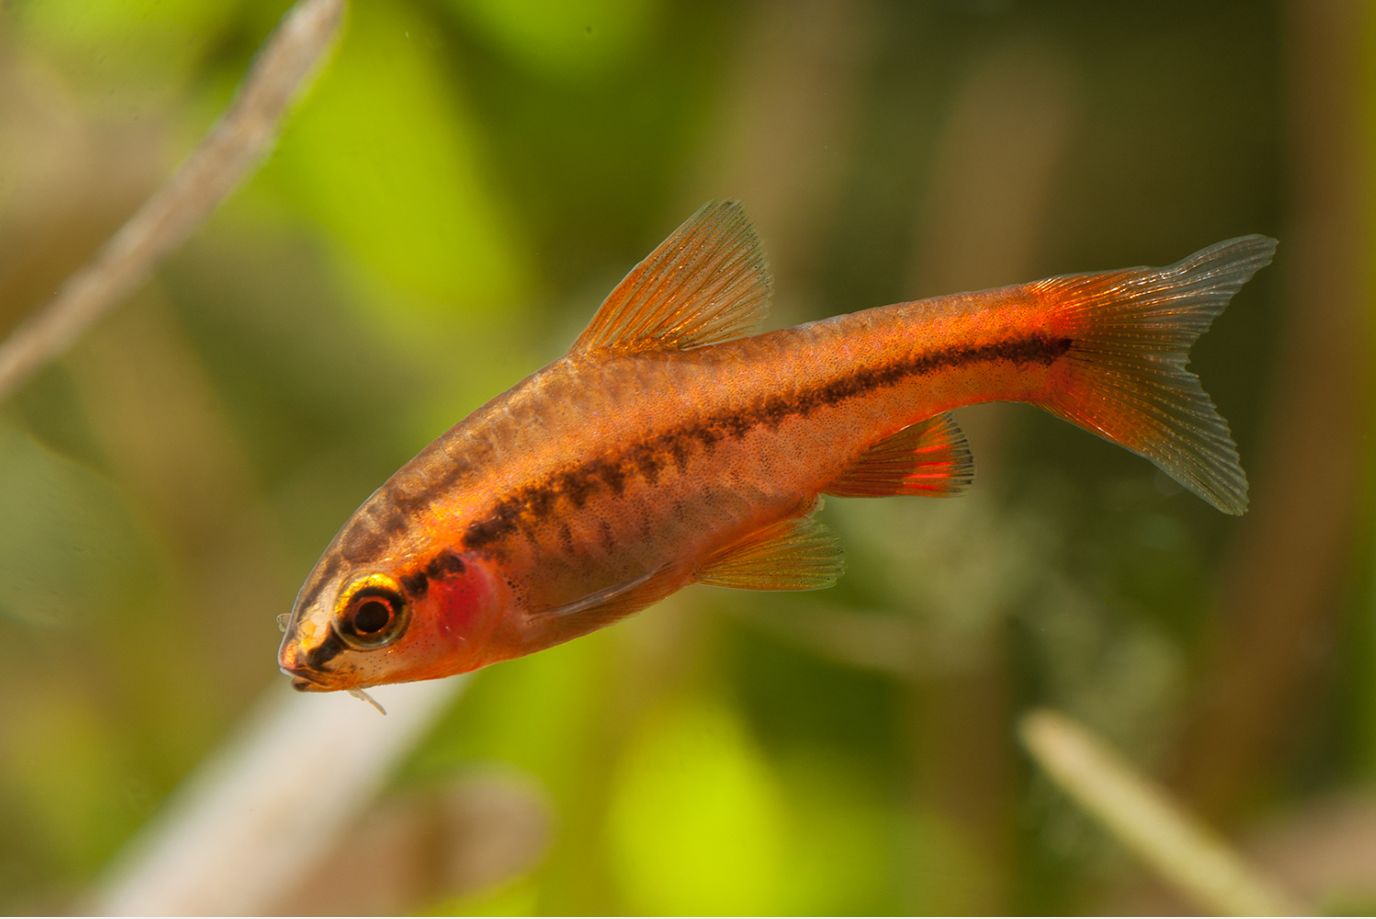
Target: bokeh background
x=441 y=215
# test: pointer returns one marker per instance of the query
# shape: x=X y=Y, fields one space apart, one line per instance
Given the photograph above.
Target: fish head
x=360 y=625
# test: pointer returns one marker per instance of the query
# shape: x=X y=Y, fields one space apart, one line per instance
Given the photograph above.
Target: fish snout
x=303 y=679
x=291 y=661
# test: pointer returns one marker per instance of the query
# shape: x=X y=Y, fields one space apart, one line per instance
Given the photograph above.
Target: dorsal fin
x=797 y=554
x=706 y=283
x=931 y=458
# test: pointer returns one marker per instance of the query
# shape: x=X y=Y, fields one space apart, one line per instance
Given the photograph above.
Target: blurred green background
x=441 y=215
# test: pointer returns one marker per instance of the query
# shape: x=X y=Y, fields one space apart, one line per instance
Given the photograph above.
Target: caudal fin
x=1125 y=377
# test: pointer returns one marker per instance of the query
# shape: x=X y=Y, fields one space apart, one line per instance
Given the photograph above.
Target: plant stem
x=236 y=144
x=1185 y=853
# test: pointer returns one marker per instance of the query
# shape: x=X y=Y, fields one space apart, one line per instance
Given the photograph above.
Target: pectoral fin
x=615 y=597
x=612 y=603
x=931 y=458
x=797 y=554
x=706 y=283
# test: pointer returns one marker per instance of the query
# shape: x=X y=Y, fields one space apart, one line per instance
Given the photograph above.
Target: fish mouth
x=298 y=664
x=303 y=682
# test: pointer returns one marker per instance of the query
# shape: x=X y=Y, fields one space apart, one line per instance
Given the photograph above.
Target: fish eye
x=371 y=614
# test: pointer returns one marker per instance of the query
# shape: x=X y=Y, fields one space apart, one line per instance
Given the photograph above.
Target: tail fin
x=1125 y=378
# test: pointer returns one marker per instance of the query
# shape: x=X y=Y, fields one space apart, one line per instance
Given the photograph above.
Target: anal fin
x=797 y=554
x=931 y=458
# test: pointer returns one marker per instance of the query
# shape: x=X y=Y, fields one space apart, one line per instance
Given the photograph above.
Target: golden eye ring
x=371 y=613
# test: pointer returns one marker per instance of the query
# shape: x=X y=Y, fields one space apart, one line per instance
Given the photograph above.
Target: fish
x=672 y=446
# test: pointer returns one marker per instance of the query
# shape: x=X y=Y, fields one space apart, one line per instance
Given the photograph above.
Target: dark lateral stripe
x=445 y=564
x=649 y=456
x=416 y=584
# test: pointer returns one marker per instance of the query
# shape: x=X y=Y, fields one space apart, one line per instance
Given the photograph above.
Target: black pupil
x=372 y=616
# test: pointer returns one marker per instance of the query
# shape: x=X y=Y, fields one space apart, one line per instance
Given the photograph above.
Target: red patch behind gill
x=455 y=610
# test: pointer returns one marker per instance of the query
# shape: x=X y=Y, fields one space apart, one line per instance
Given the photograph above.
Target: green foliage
x=392 y=169
x=695 y=823
x=562 y=40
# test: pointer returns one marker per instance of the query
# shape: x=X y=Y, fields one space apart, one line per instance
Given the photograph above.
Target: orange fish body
x=665 y=450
